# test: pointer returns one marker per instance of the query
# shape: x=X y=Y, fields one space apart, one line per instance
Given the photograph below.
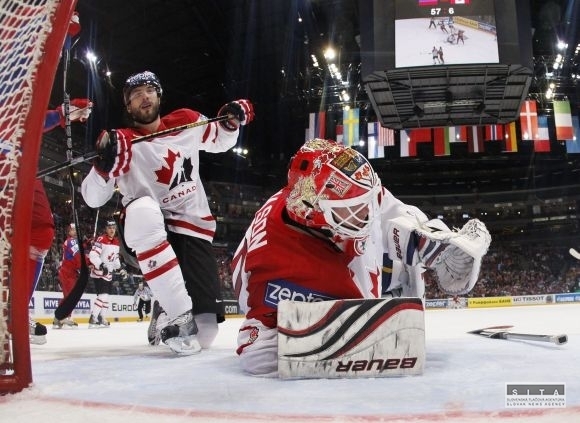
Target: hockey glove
x=104 y=269
x=454 y=256
x=106 y=149
x=74 y=26
x=79 y=111
x=241 y=112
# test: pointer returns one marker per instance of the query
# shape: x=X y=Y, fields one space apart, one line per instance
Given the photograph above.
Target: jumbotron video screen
x=445 y=32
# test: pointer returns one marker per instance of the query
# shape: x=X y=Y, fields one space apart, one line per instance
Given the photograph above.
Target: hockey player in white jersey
x=168 y=223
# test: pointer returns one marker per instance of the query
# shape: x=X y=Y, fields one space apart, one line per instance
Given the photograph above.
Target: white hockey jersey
x=167 y=169
x=104 y=251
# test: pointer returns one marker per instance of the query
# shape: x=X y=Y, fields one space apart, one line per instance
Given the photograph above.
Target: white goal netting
x=31 y=36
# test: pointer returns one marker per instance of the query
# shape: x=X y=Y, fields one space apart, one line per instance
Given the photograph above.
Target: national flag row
x=533 y=127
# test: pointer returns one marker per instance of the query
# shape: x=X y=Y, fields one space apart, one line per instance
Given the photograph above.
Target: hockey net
x=32 y=34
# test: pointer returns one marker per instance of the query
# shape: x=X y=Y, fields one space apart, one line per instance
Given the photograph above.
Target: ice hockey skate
x=159 y=320
x=70 y=323
x=37 y=333
x=57 y=324
x=94 y=323
x=180 y=335
x=64 y=323
x=103 y=322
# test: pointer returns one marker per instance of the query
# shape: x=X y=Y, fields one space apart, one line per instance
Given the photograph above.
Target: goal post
x=32 y=34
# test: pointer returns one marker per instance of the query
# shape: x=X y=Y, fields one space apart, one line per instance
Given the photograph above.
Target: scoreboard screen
x=445 y=32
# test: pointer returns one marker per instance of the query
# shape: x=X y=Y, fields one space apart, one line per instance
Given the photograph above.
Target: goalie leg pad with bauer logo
x=351 y=338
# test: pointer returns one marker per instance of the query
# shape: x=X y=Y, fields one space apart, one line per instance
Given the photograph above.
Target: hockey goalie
x=329 y=273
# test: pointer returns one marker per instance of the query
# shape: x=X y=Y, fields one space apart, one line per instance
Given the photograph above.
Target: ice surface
x=102 y=375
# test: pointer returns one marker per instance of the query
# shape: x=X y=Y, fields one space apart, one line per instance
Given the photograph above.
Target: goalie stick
x=81 y=159
x=502 y=332
x=574 y=253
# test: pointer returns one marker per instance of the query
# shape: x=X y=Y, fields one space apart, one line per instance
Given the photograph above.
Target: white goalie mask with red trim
x=333 y=188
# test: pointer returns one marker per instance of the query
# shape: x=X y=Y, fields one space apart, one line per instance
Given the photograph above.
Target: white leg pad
x=351 y=338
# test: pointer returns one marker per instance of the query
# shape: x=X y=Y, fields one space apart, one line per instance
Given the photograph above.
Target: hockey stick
x=90 y=156
x=68 y=303
x=502 y=332
x=574 y=253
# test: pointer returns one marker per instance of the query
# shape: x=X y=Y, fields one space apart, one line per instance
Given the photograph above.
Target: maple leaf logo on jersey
x=167 y=174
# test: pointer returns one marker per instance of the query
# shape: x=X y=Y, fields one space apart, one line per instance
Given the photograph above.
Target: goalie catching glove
x=114 y=153
x=241 y=112
x=454 y=256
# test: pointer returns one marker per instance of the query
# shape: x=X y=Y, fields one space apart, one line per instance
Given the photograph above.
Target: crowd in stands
x=506 y=270
x=522 y=270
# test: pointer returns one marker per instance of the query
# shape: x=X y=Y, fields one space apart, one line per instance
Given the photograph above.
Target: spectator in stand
x=116 y=289
x=142 y=300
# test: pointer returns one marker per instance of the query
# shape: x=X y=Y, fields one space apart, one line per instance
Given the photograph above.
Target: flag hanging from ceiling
x=542 y=137
x=411 y=137
x=462 y=133
x=563 y=120
x=453 y=133
x=441 y=142
x=375 y=149
x=443 y=137
x=386 y=136
x=494 y=132
x=511 y=141
x=420 y=135
x=350 y=123
x=317 y=125
x=408 y=148
x=529 y=120
x=573 y=145
x=475 y=135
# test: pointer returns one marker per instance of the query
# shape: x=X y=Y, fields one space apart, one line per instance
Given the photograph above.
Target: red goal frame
x=42 y=80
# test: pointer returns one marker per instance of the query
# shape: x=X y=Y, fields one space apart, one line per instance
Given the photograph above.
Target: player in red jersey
x=331 y=234
x=69 y=271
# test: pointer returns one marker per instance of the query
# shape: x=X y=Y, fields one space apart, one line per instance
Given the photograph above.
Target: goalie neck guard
x=333 y=188
x=140 y=79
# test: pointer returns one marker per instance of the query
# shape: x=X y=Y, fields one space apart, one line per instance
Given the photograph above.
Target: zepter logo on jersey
x=334 y=188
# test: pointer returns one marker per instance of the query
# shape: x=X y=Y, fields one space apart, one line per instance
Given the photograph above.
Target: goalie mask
x=139 y=79
x=333 y=188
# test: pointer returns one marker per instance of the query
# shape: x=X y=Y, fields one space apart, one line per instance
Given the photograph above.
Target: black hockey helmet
x=111 y=223
x=139 y=79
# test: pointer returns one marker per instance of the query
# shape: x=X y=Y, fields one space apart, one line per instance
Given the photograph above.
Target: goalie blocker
x=351 y=338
